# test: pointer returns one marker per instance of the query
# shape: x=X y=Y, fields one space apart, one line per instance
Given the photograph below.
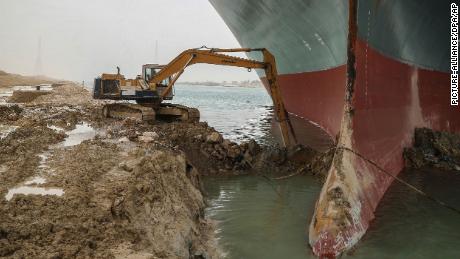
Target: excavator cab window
x=164 y=82
x=149 y=72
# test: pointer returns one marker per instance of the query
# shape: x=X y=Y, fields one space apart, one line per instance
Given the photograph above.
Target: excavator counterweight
x=155 y=85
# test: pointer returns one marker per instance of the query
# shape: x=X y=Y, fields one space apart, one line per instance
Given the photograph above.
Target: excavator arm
x=189 y=57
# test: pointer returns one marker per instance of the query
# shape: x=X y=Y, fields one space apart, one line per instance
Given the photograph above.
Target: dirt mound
x=206 y=149
x=162 y=204
x=22 y=96
x=211 y=154
x=67 y=94
x=434 y=149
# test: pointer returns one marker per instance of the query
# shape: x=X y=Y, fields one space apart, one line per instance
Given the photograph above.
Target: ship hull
x=314 y=101
x=386 y=110
x=401 y=62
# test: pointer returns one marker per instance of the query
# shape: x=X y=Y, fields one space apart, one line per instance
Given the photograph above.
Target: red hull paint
x=389 y=101
x=315 y=101
x=318 y=96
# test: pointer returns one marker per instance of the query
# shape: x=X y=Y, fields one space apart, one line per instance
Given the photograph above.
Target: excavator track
x=178 y=112
x=168 y=112
x=128 y=110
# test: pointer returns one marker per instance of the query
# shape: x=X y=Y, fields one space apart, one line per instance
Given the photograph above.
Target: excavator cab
x=149 y=71
x=117 y=87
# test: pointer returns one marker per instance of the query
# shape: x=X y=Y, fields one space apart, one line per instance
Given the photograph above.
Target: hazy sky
x=82 y=39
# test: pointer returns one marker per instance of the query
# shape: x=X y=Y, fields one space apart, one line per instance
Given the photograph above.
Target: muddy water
x=261 y=219
x=33 y=190
x=81 y=133
x=257 y=218
x=410 y=226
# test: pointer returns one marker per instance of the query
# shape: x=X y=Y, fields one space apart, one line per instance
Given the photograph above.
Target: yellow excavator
x=155 y=85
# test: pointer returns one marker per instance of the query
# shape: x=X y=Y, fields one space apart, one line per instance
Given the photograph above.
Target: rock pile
x=434 y=149
x=10 y=112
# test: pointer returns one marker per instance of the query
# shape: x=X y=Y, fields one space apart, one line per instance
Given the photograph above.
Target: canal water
x=238 y=113
x=259 y=218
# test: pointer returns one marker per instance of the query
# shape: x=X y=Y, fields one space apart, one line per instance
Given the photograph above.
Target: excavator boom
x=208 y=56
x=214 y=56
x=156 y=83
